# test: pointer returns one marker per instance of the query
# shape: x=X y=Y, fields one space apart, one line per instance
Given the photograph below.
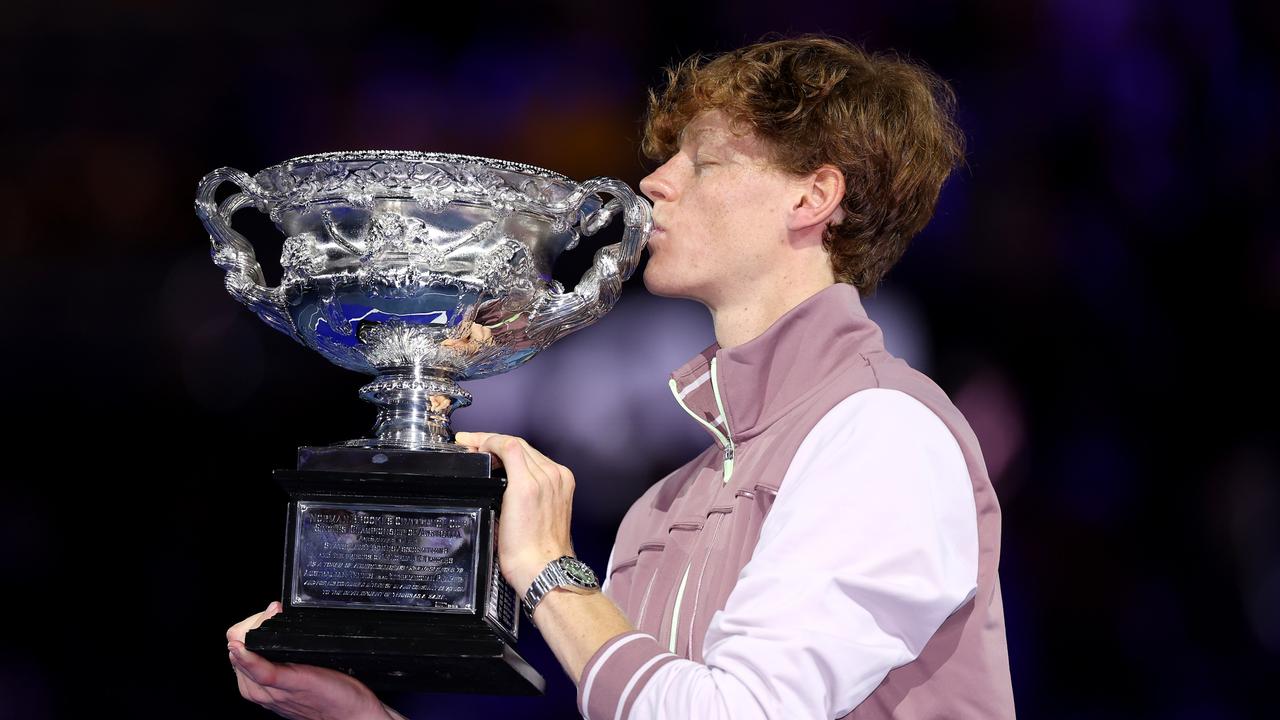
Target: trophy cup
x=421 y=269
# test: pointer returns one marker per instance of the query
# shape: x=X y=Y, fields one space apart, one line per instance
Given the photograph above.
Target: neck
x=745 y=317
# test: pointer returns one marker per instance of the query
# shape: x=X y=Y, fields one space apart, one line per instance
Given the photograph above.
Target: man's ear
x=821 y=193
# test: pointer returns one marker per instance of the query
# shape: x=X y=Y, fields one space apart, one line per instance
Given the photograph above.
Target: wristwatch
x=567 y=572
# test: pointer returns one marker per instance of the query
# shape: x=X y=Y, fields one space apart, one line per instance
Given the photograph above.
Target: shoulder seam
x=871 y=367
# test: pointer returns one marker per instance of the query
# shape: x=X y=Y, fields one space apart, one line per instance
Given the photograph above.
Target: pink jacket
x=693 y=532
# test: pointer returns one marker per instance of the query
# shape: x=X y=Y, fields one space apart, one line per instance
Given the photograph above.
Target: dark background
x=1095 y=293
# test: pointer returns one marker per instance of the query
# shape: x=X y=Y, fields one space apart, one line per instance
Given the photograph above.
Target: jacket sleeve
x=870 y=545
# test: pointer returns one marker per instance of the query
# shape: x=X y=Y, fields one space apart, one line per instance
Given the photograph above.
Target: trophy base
x=387 y=657
x=391 y=573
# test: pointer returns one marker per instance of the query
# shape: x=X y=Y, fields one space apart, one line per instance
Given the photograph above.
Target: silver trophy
x=422 y=269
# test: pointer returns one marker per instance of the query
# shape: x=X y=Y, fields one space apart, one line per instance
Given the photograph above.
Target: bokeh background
x=1097 y=292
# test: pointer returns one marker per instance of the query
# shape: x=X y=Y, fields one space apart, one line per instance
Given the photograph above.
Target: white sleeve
x=608 y=572
x=870 y=545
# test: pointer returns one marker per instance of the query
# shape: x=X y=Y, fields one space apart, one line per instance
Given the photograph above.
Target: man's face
x=719 y=211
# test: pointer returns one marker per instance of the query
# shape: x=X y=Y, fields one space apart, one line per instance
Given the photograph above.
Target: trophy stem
x=414 y=405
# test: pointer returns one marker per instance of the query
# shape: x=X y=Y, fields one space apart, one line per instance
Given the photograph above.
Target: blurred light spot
x=906 y=332
x=991 y=404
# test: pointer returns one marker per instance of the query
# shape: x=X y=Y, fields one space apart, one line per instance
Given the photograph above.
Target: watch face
x=578 y=572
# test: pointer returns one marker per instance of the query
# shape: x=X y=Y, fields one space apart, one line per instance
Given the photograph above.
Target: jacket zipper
x=728 y=445
x=726 y=439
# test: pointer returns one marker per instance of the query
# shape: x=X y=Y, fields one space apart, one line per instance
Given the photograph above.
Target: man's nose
x=655 y=187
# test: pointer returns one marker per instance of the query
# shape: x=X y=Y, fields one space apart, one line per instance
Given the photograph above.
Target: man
x=834 y=552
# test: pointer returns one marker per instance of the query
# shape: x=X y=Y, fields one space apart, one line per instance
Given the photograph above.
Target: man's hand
x=533 y=531
x=300 y=692
x=536 y=507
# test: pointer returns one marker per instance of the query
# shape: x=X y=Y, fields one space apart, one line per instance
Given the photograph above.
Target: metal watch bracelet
x=567 y=572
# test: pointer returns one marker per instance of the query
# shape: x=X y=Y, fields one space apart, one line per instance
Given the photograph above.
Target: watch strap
x=554 y=576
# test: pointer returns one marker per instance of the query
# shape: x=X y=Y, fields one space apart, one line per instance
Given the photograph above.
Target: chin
x=663 y=285
x=653 y=282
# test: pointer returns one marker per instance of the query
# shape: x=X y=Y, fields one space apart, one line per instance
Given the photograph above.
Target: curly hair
x=887 y=123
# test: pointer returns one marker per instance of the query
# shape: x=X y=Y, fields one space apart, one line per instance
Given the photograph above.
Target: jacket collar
x=756 y=383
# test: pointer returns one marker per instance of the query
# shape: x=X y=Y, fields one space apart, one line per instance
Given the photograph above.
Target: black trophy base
x=384 y=658
x=391 y=573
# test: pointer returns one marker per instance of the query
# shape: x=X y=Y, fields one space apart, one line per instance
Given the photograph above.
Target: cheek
x=715 y=222
x=742 y=231
x=752 y=207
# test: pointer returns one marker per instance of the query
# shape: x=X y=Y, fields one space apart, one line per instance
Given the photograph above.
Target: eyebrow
x=680 y=140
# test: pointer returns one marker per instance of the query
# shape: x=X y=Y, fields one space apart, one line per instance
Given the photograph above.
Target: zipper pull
x=728 y=462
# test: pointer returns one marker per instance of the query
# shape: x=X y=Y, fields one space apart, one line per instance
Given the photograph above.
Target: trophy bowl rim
x=344 y=156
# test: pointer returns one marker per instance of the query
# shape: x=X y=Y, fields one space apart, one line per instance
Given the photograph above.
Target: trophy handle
x=558 y=314
x=232 y=252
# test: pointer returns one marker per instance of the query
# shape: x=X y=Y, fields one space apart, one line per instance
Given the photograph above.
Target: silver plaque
x=391 y=557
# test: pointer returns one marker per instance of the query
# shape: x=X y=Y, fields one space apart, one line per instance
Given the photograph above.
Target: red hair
x=885 y=122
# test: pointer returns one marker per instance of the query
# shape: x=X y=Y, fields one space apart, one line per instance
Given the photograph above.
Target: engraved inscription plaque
x=390 y=557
